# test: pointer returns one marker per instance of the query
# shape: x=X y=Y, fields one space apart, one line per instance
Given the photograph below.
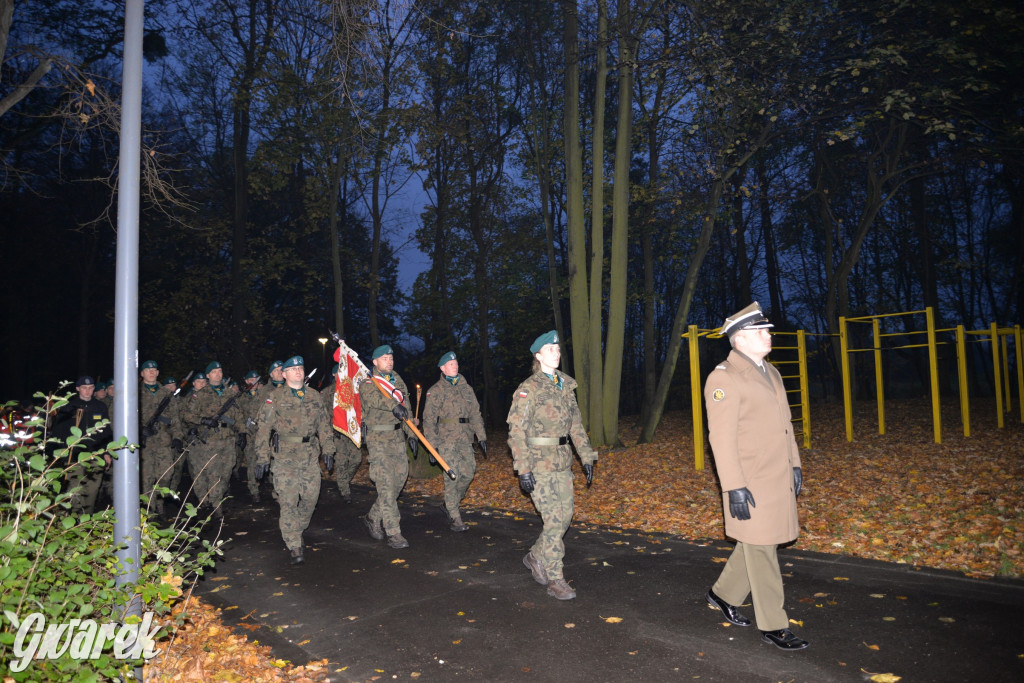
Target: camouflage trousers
x=86 y=478
x=389 y=470
x=210 y=465
x=297 y=483
x=462 y=460
x=553 y=497
x=250 y=469
x=347 y=459
x=156 y=467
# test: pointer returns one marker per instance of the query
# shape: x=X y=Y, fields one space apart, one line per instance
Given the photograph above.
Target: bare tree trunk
x=618 y=285
x=578 y=296
x=595 y=414
x=338 y=188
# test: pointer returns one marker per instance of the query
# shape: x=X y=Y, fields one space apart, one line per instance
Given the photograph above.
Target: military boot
x=397 y=541
x=539 y=575
x=297 y=557
x=375 y=528
x=560 y=590
x=455 y=521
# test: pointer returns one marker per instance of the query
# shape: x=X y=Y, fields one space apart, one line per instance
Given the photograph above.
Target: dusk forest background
x=442 y=175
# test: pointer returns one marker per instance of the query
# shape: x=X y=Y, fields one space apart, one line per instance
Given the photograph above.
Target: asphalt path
x=462 y=606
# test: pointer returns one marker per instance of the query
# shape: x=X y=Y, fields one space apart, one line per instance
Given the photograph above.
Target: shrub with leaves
x=64 y=566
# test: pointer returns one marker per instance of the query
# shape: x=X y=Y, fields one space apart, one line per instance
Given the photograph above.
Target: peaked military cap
x=293 y=362
x=149 y=364
x=750 y=318
x=546 y=338
x=445 y=358
x=382 y=350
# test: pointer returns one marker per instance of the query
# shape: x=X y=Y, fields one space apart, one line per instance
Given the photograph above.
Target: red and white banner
x=348 y=413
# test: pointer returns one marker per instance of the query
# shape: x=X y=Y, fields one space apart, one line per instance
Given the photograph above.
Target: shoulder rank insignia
x=721 y=367
x=718 y=394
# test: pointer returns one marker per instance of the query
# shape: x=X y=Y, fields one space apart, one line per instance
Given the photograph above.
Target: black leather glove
x=527 y=482
x=483 y=448
x=738 y=499
x=177 y=445
x=400 y=412
x=329 y=461
x=260 y=470
x=798 y=480
x=208 y=422
x=414 y=446
x=242 y=439
x=362 y=429
x=148 y=431
x=588 y=469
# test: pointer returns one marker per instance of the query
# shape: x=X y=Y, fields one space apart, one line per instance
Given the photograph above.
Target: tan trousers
x=754 y=570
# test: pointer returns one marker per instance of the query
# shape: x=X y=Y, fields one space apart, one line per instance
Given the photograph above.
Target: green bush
x=64 y=567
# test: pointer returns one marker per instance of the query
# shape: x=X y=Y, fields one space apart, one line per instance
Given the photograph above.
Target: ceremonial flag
x=347 y=415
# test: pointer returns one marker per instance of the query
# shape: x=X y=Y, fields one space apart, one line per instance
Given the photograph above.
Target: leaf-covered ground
x=897 y=497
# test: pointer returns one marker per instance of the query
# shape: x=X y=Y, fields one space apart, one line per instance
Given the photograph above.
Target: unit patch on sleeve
x=718 y=394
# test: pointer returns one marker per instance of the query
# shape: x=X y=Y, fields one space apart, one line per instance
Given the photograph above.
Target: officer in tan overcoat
x=758 y=465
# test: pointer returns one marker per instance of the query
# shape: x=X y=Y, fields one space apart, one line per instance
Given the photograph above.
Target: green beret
x=212 y=366
x=252 y=374
x=382 y=350
x=170 y=380
x=334 y=370
x=149 y=364
x=445 y=358
x=275 y=365
x=293 y=362
x=546 y=338
x=198 y=376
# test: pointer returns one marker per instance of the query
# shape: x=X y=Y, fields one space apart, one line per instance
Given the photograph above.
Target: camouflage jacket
x=300 y=424
x=540 y=409
x=207 y=403
x=377 y=407
x=149 y=401
x=451 y=413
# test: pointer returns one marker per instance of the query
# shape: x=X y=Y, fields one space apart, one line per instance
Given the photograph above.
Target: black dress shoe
x=784 y=639
x=732 y=615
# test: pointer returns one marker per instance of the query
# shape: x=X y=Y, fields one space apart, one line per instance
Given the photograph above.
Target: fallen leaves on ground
x=204 y=649
x=897 y=497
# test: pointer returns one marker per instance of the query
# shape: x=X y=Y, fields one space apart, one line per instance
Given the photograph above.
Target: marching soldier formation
x=283 y=429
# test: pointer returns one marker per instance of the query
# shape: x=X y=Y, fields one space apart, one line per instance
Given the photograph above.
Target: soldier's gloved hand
x=193 y=433
x=208 y=422
x=738 y=499
x=260 y=470
x=177 y=445
x=400 y=412
x=588 y=469
x=483 y=448
x=242 y=439
x=414 y=446
x=798 y=480
x=527 y=482
x=148 y=431
x=329 y=461
x=362 y=429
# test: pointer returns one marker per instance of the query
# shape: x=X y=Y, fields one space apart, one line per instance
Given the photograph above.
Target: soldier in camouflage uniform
x=348 y=457
x=293 y=423
x=543 y=418
x=250 y=404
x=157 y=458
x=211 y=454
x=385 y=445
x=451 y=416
